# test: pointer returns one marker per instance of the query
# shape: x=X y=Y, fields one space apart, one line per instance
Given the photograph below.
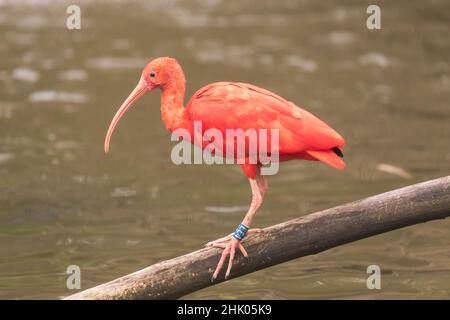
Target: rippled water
x=63 y=201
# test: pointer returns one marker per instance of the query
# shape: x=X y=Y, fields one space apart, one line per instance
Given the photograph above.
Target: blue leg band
x=240 y=232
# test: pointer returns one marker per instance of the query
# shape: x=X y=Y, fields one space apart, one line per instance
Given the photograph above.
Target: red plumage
x=232 y=105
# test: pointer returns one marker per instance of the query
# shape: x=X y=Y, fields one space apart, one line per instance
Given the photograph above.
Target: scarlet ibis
x=224 y=105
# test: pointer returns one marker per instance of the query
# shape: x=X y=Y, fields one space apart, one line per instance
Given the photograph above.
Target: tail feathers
x=338 y=152
x=330 y=157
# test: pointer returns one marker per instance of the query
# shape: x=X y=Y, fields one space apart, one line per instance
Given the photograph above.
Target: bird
x=231 y=105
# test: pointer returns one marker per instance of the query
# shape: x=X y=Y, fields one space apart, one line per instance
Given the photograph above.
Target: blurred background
x=64 y=202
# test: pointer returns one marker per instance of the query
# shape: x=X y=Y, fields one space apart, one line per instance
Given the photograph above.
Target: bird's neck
x=172 y=109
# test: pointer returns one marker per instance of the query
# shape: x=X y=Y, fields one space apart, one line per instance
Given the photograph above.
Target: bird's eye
x=152 y=74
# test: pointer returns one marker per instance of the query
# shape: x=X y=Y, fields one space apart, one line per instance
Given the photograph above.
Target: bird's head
x=158 y=73
x=161 y=72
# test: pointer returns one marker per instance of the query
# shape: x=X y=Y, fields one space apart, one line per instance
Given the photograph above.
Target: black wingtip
x=338 y=152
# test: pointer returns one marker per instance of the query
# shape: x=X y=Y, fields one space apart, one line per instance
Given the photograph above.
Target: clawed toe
x=256 y=230
x=229 y=244
x=229 y=249
x=217 y=242
x=221 y=243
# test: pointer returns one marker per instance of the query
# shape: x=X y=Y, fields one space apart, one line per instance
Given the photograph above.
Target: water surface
x=64 y=202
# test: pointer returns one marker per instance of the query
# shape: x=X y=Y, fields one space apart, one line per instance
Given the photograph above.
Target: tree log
x=289 y=240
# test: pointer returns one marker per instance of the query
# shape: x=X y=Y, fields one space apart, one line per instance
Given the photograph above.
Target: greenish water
x=64 y=202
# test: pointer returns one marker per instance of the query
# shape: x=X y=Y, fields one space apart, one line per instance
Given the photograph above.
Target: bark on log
x=285 y=241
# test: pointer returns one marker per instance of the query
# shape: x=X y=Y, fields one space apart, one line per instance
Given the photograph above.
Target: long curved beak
x=140 y=90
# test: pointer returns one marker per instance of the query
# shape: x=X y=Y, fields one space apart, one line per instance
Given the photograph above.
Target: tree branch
x=285 y=241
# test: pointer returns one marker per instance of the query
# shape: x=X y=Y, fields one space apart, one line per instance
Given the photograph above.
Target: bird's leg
x=262 y=184
x=263 y=188
x=235 y=240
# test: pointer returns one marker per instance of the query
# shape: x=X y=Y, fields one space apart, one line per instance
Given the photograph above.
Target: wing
x=231 y=105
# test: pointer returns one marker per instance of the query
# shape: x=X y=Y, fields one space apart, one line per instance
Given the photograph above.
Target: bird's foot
x=229 y=249
x=219 y=243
